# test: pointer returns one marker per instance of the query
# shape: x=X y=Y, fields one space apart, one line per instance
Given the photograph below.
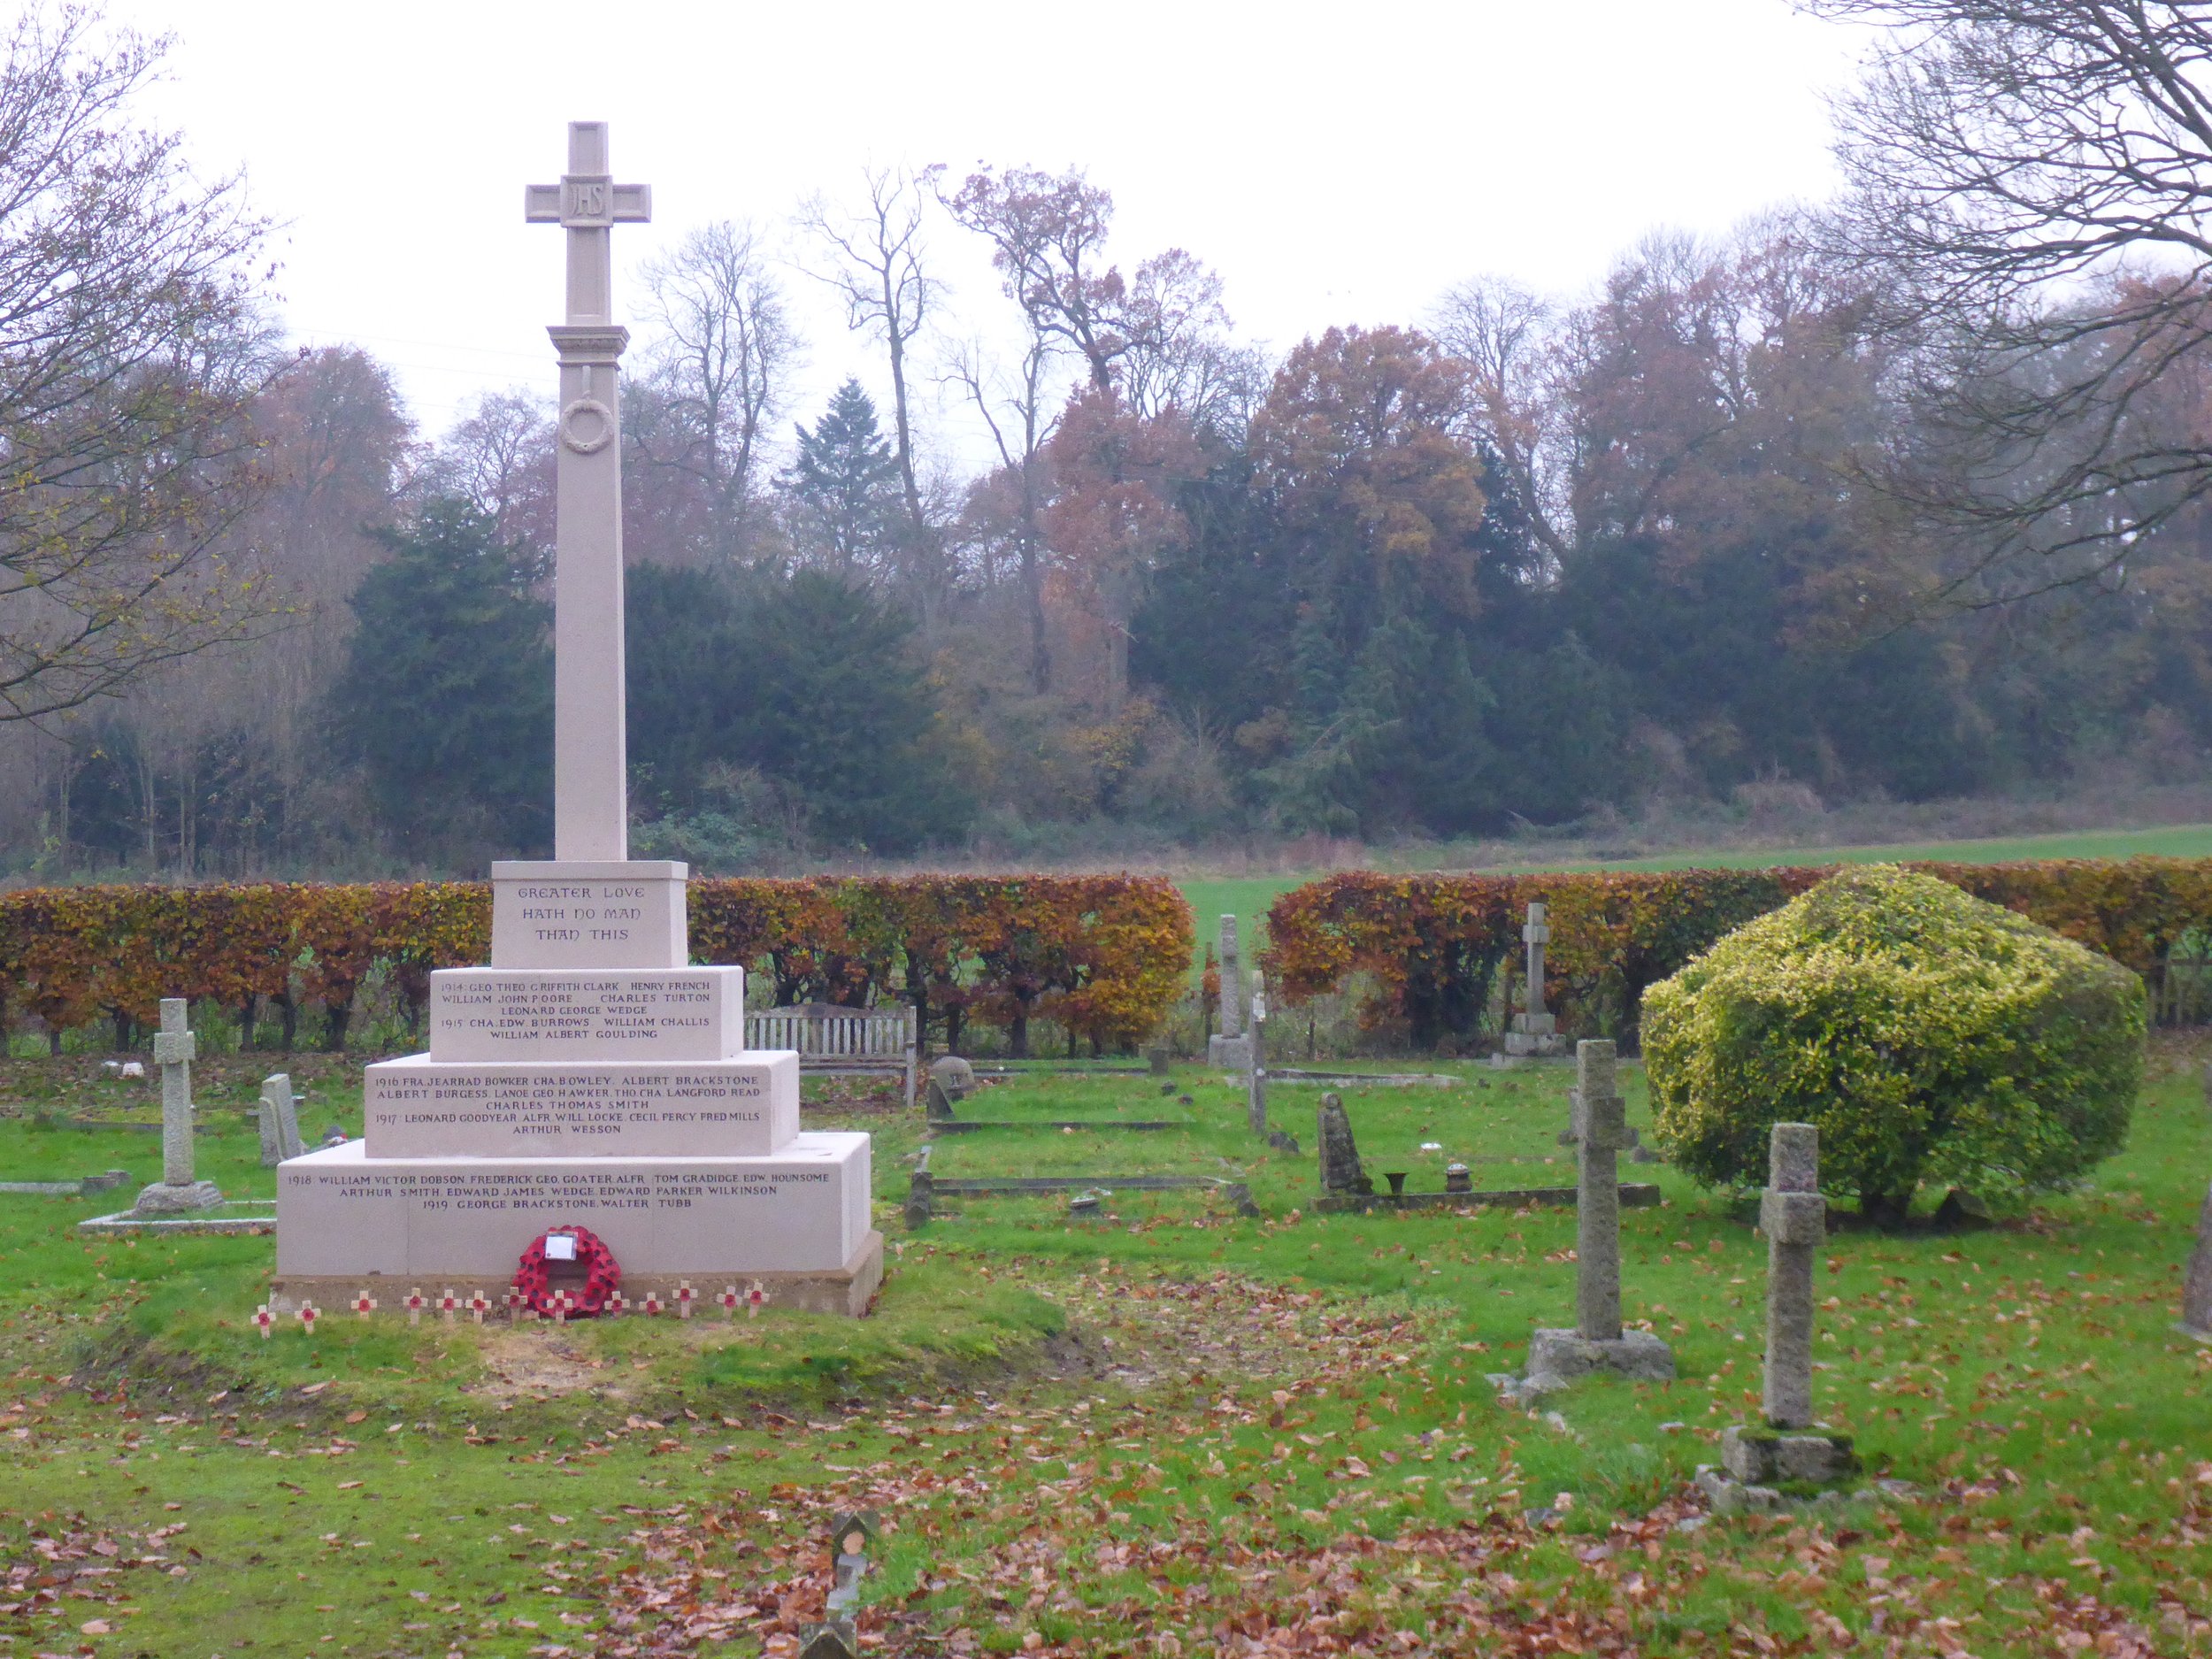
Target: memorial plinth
x=590 y=1076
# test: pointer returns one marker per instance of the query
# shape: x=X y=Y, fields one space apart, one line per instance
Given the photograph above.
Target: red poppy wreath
x=603 y=1274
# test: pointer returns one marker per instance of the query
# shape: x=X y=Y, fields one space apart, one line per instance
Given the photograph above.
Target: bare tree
x=1508 y=337
x=1012 y=409
x=1179 y=355
x=722 y=363
x=499 y=456
x=880 y=272
x=129 y=358
x=2028 y=185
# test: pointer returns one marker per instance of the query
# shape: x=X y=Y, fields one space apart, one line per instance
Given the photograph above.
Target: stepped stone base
x=801 y=1209
x=162 y=1199
x=1231 y=1053
x=846 y=1290
x=1558 y=1358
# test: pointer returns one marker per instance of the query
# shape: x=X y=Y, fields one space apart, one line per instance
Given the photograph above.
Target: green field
x=1249 y=897
x=1123 y=1435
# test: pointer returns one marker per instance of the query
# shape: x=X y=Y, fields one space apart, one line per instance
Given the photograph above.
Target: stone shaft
x=2196 y=1287
x=590 y=801
x=1231 y=980
x=1794 y=1167
x=1598 y=1201
x=174 y=1049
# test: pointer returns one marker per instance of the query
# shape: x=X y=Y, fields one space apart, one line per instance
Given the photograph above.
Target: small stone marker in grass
x=2196 y=1285
x=1598 y=1342
x=176 y=1192
x=1341 y=1169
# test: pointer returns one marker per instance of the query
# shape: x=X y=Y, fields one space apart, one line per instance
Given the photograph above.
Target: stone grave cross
x=590 y=806
x=1598 y=1342
x=176 y=1190
x=1535 y=1031
x=1230 y=1047
x=1795 y=1217
x=1598 y=1194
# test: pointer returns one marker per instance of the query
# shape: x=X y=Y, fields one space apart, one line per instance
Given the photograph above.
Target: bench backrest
x=859 y=1032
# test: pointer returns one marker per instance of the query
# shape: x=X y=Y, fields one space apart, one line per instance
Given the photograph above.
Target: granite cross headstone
x=1534 y=1030
x=1598 y=1195
x=177 y=1190
x=1795 y=1219
x=1789 y=1445
x=1230 y=1047
x=1598 y=1342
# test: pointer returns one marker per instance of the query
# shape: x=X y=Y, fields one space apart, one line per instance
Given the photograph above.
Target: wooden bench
x=833 y=1040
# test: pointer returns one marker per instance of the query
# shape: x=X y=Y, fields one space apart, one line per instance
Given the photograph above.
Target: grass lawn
x=1173 y=1431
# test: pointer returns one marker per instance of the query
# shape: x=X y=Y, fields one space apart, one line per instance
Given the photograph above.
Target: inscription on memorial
x=732 y=1109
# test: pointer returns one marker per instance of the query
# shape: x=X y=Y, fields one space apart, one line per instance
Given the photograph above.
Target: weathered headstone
x=1795 y=1216
x=1598 y=1342
x=951 y=1080
x=1341 y=1170
x=591 y=1075
x=1229 y=1048
x=280 y=1121
x=1535 y=1029
x=1159 y=1059
x=2196 y=1284
x=176 y=1191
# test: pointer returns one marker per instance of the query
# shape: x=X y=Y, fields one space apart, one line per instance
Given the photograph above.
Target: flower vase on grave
x=591 y=1076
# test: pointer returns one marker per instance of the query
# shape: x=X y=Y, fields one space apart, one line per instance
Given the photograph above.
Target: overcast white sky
x=1337 y=164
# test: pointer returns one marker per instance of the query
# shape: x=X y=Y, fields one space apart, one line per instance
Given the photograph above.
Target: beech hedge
x=1104 y=956
x=1430 y=948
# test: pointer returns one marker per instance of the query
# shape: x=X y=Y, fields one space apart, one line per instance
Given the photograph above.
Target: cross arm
x=583 y=200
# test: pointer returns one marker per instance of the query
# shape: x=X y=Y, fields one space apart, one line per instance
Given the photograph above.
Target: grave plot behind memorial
x=590 y=1077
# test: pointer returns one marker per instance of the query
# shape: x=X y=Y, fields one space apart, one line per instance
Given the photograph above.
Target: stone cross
x=1795 y=1219
x=174 y=1049
x=1231 y=980
x=590 y=806
x=1598 y=1196
x=176 y=1191
x=280 y=1121
x=1536 y=933
x=2196 y=1285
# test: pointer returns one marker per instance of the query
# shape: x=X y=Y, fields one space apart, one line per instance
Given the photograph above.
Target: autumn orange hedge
x=1105 y=956
x=1435 y=944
